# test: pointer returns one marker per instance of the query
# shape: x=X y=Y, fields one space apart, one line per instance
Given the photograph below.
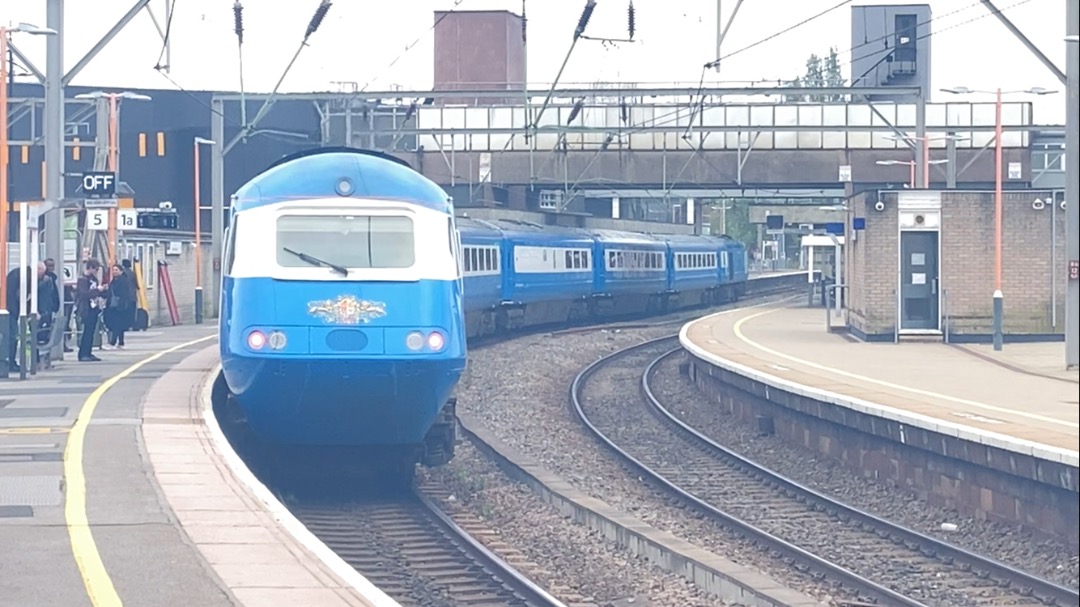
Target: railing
x=945 y=314
x=831 y=300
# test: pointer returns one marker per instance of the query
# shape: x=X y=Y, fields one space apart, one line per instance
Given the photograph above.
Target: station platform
x=114 y=490
x=1020 y=399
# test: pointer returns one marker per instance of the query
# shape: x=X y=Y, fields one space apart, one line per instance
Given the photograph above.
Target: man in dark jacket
x=88 y=294
x=48 y=300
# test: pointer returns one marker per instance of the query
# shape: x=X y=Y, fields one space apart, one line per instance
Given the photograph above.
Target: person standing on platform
x=13 y=295
x=120 y=311
x=48 y=301
x=88 y=303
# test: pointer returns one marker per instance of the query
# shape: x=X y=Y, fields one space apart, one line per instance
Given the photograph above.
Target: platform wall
x=1033 y=239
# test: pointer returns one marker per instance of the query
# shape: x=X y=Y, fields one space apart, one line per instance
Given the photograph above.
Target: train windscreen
x=348 y=241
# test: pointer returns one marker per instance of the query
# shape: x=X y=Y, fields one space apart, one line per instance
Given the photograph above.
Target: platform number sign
x=97 y=219
x=127 y=219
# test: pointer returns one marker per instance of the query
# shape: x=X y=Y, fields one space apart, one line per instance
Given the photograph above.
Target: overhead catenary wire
x=238 y=29
x=312 y=27
x=583 y=22
x=712 y=64
x=935 y=19
x=409 y=47
x=166 y=36
x=532 y=124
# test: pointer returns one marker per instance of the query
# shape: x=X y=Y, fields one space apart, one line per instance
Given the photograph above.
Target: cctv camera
x=1038 y=204
x=879 y=206
x=1062 y=205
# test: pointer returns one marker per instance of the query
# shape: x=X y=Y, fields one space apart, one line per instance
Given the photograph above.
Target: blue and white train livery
x=343 y=321
x=520 y=274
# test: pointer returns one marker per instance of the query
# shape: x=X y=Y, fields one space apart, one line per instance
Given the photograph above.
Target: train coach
x=519 y=274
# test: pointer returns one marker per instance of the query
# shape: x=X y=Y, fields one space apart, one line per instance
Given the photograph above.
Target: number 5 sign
x=97 y=219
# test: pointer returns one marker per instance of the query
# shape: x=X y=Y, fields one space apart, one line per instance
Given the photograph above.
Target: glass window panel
x=352 y=241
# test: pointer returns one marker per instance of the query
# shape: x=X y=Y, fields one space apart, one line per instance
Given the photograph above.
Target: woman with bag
x=120 y=306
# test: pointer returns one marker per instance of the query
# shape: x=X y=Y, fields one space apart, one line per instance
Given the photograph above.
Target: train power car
x=342 y=321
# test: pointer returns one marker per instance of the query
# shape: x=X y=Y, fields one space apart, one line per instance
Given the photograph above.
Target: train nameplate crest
x=346 y=310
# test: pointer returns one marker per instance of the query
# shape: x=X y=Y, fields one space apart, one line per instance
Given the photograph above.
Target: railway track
x=408 y=547
x=866 y=555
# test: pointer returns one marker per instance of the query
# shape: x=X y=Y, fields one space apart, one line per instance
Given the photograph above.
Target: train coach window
x=349 y=241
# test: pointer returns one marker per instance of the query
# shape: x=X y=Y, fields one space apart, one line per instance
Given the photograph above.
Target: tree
x=820 y=72
x=737 y=218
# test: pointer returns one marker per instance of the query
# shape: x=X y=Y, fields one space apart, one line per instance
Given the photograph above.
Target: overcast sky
x=361 y=38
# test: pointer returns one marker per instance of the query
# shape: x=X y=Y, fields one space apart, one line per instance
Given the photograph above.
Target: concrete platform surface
x=110 y=492
x=1017 y=394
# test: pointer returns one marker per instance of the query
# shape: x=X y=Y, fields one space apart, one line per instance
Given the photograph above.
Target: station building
x=921 y=263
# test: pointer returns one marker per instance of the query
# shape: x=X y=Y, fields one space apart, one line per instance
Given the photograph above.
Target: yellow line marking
x=98 y=584
x=737 y=328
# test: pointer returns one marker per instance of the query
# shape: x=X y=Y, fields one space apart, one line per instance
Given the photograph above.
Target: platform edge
x=961 y=431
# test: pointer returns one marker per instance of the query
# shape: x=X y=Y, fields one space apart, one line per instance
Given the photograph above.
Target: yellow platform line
x=99 y=585
x=870 y=380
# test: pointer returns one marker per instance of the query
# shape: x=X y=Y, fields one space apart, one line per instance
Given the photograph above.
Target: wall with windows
x=1048 y=165
x=179 y=255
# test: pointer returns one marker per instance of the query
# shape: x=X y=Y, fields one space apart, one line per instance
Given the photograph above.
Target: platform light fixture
x=198 y=231
x=909 y=163
x=926 y=149
x=114 y=146
x=999 y=296
x=5 y=31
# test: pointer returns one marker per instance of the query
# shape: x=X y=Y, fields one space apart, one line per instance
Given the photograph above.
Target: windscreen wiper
x=315 y=261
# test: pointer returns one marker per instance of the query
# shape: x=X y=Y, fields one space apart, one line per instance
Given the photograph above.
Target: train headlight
x=414 y=341
x=277 y=340
x=256 y=340
x=436 y=341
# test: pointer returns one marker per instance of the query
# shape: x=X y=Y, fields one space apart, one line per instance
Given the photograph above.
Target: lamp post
x=909 y=163
x=113 y=147
x=1072 y=191
x=926 y=151
x=999 y=295
x=33 y=30
x=198 y=234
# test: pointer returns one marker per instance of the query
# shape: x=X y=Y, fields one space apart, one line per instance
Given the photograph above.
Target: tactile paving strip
x=41 y=490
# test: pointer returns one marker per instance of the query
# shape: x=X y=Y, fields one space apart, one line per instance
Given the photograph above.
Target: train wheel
x=442 y=437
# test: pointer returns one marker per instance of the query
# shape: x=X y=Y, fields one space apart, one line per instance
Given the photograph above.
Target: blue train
x=349 y=289
x=342 y=319
x=520 y=274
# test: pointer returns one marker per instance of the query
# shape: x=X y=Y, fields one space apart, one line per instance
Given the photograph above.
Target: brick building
x=479 y=50
x=927 y=259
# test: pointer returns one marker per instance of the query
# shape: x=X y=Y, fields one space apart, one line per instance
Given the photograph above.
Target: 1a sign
x=127 y=219
x=97 y=219
x=99 y=184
